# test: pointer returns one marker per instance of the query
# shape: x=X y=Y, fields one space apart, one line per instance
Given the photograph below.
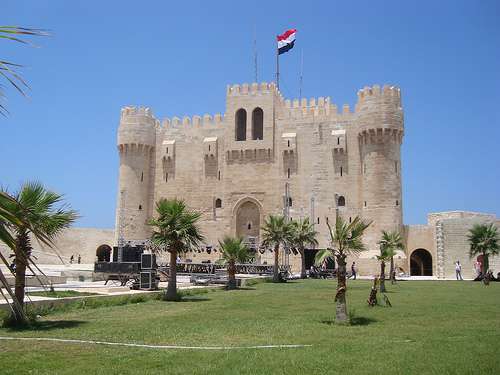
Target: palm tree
x=233 y=250
x=483 y=240
x=389 y=244
x=276 y=232
x=8 y=70
x=346 y=238
x=37 y=214
x=303 y=235
x=175 y=230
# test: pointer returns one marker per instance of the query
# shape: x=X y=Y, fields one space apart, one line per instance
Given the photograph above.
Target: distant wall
x=72 y=241
x=456 y=245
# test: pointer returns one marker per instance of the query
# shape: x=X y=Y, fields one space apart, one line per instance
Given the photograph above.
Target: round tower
x=136 y=145
x=380 y=123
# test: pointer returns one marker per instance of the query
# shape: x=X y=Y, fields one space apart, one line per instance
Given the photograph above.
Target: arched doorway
x=248 y=221
x=103 y=253
x=421 y=263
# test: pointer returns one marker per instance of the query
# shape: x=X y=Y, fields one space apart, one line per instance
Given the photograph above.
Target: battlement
x=313 y=107
x=251 y=89
x=375 y=92
x=136 y=111
x=194 y=121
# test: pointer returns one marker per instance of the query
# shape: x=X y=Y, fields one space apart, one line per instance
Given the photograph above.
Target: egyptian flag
x=286 y=41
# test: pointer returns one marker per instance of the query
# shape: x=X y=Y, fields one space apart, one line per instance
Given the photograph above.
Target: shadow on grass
x=356 y=321
x=245 y=288
x=47 y=325
x=194 y=299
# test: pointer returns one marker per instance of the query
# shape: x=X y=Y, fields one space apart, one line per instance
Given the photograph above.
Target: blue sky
x=177 y=58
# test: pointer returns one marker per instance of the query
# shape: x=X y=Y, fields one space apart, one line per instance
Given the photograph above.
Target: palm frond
x=322 y=255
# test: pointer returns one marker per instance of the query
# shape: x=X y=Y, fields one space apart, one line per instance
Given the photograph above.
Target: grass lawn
x=60 y=294
x=432 y=328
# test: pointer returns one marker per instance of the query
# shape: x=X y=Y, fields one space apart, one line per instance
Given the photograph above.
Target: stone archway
x=421 y=263
x=103 y=253
x=247 y=219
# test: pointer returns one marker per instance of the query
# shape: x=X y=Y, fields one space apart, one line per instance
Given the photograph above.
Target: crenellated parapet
x=315 y=107
x=194 y=121
x=379 y=114
x=387 y=95
x=251 y=89
x=137 y=127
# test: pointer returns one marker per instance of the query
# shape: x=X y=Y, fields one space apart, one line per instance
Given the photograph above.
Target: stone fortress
x=270 y=155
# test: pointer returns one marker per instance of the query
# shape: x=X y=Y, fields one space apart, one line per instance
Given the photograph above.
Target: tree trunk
x=303 y=273
x=276 y=271
x=341 y=316
x=172 y=278
x=17 y=310
x=21 y=260
x=231 y=275
x=382 y=277
x=393 y=272
x=486 y=263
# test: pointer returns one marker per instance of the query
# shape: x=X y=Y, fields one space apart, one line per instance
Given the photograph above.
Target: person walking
x=353 y=270
x=71 y=259
x=458 y=270
x=79 y=258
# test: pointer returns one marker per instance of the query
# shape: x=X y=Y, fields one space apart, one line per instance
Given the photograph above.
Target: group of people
x=72 y=259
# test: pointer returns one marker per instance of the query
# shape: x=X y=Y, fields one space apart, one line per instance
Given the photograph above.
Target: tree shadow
x=243 y=288
x=356 y=321
x=47 y=325
x=194 y=299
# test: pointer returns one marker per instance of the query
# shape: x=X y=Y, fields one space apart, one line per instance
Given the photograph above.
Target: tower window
x=365 y=203
x=290 y=202
x=241 y=125
x=350 y=220
x=338 y=140
x=341 y=171
x=166 y=177
x=140 y=207
x=218 y=176
x=318 y=220
x=257 y=124
x=208 y=147
x=397 y=202
x=167 y=150
x=218 y=203
x=288 y=143
x=142 y=176
x=341 y=201
x=327 y=219
x=249 y=226
x=288 y=173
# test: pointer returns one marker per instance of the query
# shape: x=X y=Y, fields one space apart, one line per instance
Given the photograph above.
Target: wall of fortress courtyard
x=235 y=168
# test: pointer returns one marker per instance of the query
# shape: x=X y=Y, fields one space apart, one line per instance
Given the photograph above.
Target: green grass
x=432 y=328
x=60 y=294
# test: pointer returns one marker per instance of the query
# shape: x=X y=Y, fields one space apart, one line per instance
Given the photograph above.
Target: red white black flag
x=286 y=41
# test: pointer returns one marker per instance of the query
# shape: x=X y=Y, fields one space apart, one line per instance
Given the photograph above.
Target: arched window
x=241 y=125
x=218 y=203
x=341 y=201
x=258 y=124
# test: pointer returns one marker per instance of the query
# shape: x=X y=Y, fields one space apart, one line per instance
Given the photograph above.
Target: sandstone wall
x=72 y=241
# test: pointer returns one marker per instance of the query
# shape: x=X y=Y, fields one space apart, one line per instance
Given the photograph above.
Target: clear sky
x=178 y=56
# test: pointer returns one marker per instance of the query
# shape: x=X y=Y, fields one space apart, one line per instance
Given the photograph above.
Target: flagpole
x=301 y=72
x=277 y=68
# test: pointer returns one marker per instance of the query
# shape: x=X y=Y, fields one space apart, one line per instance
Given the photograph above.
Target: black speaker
x=148 y=261
x=147 y=280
